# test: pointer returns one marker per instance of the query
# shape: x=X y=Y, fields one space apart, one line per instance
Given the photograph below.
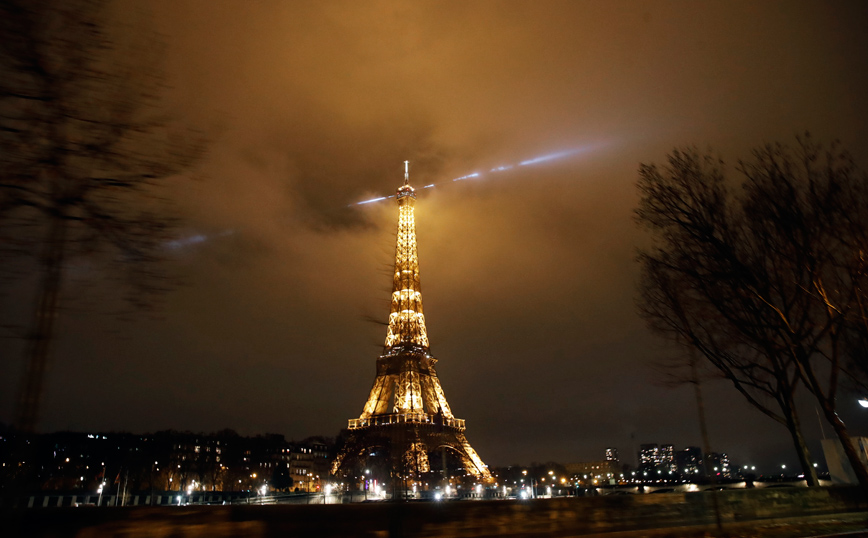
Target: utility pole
x=706 y=445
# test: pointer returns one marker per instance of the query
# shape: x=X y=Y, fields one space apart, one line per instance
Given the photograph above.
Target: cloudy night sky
x=528 y=273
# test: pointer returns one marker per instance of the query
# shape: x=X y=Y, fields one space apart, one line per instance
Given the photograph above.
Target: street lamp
x=367 y=484
x=863 y=402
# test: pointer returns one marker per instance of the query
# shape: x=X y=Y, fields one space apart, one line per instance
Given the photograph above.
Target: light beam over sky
x=194 y=239
x=502 y=168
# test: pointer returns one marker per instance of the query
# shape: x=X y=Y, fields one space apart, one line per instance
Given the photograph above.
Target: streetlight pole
x=706 y=445
x=101 y=485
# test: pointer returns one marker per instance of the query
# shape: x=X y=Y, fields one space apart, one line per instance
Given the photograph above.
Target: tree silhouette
x=766 y=281
x=83 y=149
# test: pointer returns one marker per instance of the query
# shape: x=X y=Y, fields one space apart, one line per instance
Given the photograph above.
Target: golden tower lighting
x=406 y=412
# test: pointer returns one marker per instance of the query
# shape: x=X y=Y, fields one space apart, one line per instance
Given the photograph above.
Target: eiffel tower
x=407 y=415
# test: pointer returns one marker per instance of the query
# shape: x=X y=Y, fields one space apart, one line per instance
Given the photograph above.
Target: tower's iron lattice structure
x=407 y=414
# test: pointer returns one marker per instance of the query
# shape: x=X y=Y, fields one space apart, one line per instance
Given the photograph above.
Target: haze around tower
x=529 y=272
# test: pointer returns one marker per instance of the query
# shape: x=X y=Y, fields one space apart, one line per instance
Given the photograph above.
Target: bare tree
x=82 y=150
x=809 y=206
x=764 y=281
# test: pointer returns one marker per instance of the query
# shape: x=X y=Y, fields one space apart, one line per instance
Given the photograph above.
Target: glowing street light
x=863 y=402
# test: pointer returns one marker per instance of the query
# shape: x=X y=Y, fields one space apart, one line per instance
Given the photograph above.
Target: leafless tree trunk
x=767 y=383
x=83 y=148
x=765 y=282
x=44 y=318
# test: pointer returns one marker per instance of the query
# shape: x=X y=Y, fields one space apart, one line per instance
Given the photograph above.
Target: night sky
x=528 y=274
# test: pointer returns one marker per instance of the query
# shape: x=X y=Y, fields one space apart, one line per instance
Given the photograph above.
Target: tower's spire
x=406 y=320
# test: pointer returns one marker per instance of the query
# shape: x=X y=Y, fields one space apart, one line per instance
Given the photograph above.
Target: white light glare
x=863 y=402
x=192 y=240
x=372 y=200
x=549 y=157
x=468 y=176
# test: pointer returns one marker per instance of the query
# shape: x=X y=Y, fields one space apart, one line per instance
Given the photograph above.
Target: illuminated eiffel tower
x=406 y=415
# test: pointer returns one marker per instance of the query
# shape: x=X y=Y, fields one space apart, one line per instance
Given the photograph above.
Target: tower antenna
x=406 y=172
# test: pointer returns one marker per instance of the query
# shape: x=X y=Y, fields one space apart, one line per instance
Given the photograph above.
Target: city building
x=166 y=461
x=594 y=472
x=667 y=459
x=720 y=465
x=688 y=462
x=649 y=457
